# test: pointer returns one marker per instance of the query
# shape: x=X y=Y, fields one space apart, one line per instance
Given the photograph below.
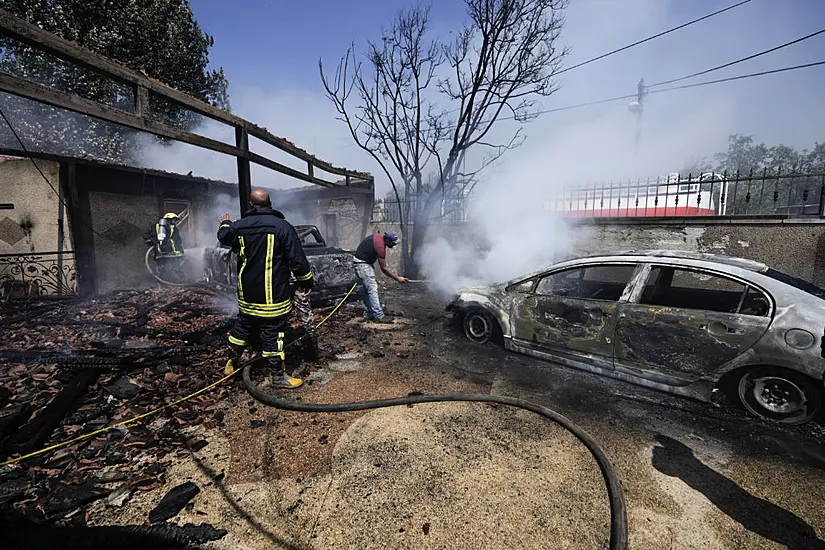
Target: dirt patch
x=294 y=444
x=450 y=475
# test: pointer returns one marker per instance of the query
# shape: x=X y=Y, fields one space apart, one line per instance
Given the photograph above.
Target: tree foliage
x=158 y=37
x=766 y=179
x=419 y=104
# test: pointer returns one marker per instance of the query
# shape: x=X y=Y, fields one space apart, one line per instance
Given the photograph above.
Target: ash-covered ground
x=224 y=471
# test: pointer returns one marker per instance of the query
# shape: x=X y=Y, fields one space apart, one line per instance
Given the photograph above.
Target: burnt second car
x=331 y=267
x=686 y=323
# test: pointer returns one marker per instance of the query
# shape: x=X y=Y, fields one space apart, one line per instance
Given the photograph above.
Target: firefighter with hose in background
x=269 y=251
x=168 y=247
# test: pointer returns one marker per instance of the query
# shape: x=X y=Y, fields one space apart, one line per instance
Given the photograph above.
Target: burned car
x=681 y=322
x=331 y=267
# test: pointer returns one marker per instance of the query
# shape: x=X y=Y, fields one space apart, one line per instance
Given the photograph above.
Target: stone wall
x=341 y=214
x=796 y=247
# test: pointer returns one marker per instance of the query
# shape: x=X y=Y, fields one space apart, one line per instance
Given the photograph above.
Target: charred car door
x=684 y=323
x=573 y=311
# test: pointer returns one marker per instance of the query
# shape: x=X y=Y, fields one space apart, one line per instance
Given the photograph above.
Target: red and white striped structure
x=669 y=196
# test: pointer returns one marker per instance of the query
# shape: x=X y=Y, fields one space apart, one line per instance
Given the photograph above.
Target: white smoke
x=508 y=233
x=511 y=235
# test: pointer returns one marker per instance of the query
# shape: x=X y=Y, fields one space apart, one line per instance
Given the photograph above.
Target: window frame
x=636 y=297
x=629 y=285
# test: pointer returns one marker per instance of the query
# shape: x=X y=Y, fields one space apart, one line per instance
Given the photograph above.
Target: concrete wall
x=342 y=214
x=795 y=247
x=119 y=222
x=32 y=225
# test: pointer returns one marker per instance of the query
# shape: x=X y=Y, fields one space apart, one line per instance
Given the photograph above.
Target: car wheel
x=479 y=326
x=780 y=395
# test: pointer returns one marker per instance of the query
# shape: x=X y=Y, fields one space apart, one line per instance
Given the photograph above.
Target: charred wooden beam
x=33 y=35
x=144 y=87
x=295 y=151
x=44 y=94
x=297 y=174
x=80 y=212
x=122 y=537
x=244 y=170
x=33 y=435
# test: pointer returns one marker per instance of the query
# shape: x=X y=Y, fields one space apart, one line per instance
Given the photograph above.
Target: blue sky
x=276 y=44
x=270 y=50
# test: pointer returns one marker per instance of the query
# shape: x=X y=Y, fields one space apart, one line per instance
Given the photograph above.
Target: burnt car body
x=331 y=267
x=685 y=323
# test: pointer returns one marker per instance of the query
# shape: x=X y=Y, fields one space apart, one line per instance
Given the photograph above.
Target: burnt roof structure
x=146 y=89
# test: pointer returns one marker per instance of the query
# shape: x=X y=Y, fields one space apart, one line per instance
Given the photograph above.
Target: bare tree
x=499 y=64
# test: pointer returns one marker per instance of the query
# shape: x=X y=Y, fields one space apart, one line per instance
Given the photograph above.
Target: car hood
x=489 y=295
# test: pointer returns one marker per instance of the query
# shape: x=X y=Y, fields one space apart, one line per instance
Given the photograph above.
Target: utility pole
x=637 y=108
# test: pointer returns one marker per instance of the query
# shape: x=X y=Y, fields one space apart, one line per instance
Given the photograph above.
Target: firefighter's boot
x=235 y=352
x=281 y=379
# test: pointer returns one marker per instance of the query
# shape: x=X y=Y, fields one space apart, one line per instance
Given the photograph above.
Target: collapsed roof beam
x=144 y=89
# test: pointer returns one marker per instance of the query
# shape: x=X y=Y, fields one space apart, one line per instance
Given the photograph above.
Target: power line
x=740 y=77
x=56 y=192
x=742 y=60
x=671 y=89
x=649 y=38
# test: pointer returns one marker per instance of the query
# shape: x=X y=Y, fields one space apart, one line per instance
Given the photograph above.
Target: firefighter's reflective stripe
x=242 y=255
x=306 y=277
x=270 y=253
x=160 y=233
x=280 y=353
x=236 y=341
x=172 y=241
x=265 y=310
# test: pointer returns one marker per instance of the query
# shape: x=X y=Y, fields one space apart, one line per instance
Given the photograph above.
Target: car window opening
x=689 y=289
x=594 y=282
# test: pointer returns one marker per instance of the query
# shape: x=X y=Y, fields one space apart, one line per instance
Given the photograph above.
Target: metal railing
x=754 y=194
x=738 y=195
x=35 y=274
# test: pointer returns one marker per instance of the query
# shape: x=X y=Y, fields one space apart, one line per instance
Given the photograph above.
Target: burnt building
x=70 y=226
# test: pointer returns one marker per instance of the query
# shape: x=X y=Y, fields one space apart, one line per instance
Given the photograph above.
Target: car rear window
x=795 y=282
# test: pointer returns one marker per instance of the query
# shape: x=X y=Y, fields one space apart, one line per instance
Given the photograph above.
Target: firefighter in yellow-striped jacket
x=168 y=247
x=268 y=251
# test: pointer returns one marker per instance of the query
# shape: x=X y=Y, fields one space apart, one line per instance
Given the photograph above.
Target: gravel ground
x=475 y=476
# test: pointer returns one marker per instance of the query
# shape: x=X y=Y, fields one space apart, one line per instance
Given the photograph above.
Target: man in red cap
x=374 y=248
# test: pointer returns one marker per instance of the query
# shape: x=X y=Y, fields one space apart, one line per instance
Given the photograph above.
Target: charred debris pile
x=72 y=367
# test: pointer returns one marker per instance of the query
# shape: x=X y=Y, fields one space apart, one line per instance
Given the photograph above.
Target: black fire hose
x=618 y=510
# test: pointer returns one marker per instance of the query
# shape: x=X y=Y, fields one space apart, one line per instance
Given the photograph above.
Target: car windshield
x=795 y=282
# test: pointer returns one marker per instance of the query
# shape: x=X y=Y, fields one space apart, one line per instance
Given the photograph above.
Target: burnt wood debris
x=71 y=367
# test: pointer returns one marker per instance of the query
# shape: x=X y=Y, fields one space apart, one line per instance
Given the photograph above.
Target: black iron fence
x=752 y=194
x=706 y=194
x=35 y=274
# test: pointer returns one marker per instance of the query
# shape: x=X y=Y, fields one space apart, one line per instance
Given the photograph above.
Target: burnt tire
x=780 y=395
x=479 y=325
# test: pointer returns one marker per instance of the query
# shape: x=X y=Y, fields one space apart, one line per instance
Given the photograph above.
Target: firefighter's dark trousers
x=269 y=331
